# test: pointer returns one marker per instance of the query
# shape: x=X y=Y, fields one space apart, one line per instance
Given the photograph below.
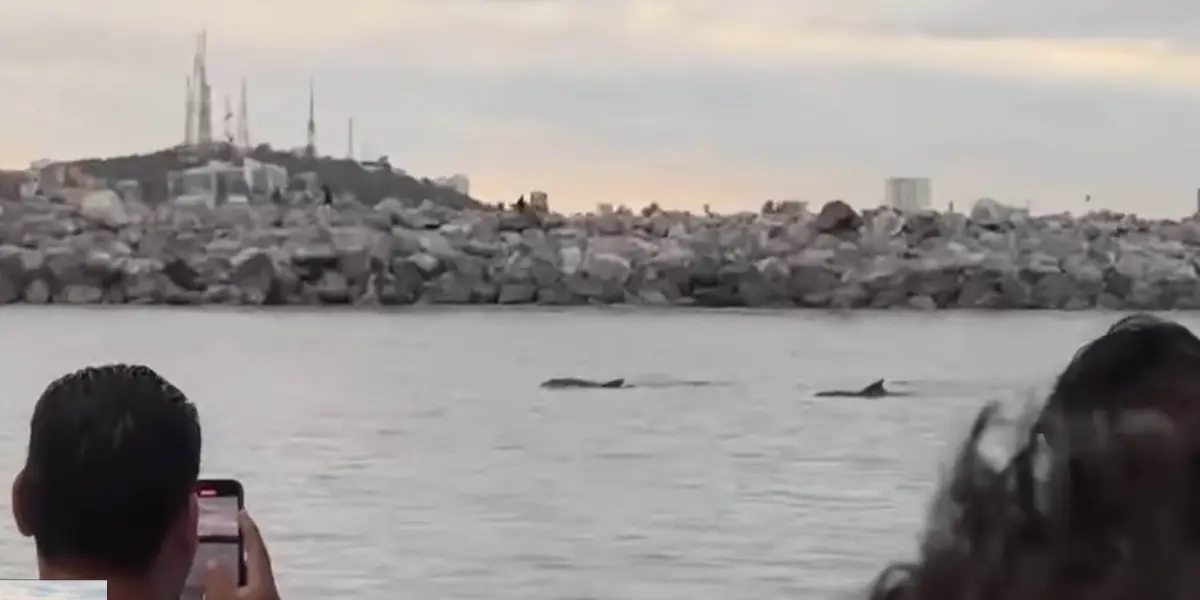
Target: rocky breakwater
x=101 y=250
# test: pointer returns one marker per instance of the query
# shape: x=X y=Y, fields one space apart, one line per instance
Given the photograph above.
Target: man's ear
x=184 y=533
x=20 y=505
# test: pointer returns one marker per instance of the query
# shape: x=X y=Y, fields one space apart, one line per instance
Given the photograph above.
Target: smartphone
x=220 y=533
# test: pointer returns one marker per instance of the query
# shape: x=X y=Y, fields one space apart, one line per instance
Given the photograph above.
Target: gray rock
x=254 y=273
x=837 y=216
x=75 y=293
x=989 y=213
x=104 y=207
x=517 y=293
x=332 y=288
x=37 y=292
x=97 y=250
x=449 y=288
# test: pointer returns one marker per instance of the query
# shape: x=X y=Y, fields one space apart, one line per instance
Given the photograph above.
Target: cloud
x=591 y=35
x=682 y=101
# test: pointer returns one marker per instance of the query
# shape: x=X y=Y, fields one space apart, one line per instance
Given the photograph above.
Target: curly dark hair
x=1096 y=500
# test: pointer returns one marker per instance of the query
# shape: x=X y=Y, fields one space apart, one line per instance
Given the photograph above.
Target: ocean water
x=413 y=455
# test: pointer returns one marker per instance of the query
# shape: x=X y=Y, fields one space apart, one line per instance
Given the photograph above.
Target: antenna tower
x=310 y=145
x=189 y=125
x=243 y=128
x=350 y=139
x=204 y=120
x=228 y=121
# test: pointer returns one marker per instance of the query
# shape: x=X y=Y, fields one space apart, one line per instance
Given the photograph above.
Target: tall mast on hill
x=189 y=119
x=227 y=122
x=204 y=119
x=243 y=126
x=310 y=144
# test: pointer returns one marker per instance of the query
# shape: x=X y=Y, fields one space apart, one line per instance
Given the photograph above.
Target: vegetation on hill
x=369 y=184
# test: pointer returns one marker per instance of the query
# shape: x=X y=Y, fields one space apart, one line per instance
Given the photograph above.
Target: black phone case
x=225 y=488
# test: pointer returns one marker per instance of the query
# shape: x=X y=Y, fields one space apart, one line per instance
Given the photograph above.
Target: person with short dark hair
x=1099 y=500
x=107 y=490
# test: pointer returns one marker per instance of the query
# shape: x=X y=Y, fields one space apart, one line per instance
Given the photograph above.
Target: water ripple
x=419 y=463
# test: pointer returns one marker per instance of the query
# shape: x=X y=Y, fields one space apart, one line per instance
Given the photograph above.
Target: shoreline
x=614 y=310
x=300 y=254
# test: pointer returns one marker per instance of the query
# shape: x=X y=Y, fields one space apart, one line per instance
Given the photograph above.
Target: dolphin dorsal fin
x=874 y=388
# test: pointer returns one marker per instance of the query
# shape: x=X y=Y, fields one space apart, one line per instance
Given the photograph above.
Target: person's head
x=108 y=486
x=1096 y=502
x=1140 y=362
x=1106 y=519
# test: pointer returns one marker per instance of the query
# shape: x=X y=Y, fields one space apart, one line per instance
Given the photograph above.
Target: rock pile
x=103 y=250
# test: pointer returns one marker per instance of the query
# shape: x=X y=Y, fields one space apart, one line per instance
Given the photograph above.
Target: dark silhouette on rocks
x=838 y=217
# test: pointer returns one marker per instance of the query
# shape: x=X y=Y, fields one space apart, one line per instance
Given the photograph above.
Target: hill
x=369 y=185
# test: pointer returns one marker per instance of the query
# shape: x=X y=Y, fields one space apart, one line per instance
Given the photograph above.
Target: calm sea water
x=412 y=455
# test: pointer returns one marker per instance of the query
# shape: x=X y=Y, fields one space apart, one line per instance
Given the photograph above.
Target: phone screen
x=220 y=538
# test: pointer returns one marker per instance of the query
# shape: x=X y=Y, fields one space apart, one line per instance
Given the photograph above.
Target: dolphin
x=575 y=382
x=875 y=390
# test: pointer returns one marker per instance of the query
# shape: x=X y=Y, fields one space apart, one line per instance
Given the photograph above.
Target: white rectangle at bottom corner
x=59 y=589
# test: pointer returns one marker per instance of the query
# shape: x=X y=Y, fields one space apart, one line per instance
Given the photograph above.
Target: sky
x=53 y=590
x=681 y=102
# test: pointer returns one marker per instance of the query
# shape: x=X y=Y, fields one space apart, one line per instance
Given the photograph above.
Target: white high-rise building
x=908 y=193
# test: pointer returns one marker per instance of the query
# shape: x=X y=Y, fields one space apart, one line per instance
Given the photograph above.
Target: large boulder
x=104 y=207
x=838 y=217
x=255 y=273
x=990 y=213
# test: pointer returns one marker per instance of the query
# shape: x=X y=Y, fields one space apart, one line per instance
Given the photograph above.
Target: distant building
x=908 y=193
x=264 y=178
x=218 y=182
x=539 y=202
x=457 y=182
x=382 y=164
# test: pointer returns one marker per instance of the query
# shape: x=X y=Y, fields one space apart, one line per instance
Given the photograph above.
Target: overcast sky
x=686 y=102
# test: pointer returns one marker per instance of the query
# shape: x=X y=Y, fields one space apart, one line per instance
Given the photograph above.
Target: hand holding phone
x=220 y=503
x=260 y=579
